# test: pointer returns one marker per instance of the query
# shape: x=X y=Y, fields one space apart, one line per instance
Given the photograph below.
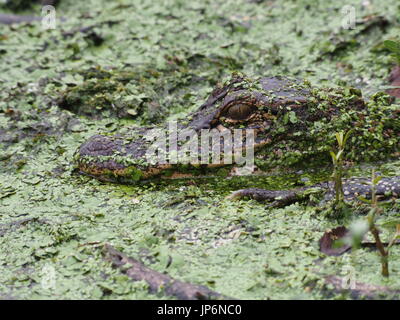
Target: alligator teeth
x=221 y=128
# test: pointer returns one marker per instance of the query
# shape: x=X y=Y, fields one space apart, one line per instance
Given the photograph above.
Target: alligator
x=294 y=125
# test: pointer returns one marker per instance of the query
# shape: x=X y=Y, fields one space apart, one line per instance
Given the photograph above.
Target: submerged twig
x=156 y=280
x=12 y=18
x=89 y=29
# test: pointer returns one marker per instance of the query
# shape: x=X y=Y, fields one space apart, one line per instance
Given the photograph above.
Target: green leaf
x=390 y=223
x=392 y=46
x=333 y=155
x=364 y=200
x=377 y=179
x=292 y=117
x=132 y=112
x=339 y=138
x=347 y=135
x=339 y=154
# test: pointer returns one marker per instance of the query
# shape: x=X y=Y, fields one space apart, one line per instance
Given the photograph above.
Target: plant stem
x=382 y=251
x=338 y=183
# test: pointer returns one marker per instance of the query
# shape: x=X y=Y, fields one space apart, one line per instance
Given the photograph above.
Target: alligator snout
x=99 y=145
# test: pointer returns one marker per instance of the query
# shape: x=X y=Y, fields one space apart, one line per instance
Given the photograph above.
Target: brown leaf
x=395 y=81
x=327 y=242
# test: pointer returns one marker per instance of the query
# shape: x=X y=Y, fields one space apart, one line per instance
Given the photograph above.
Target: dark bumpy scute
x=100 y=146
x=266 y=94
x=115 y=158
x=294 y=124
x=356 y=187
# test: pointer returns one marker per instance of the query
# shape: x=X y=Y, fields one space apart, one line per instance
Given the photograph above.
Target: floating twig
x=12 y=18
x=156 y=280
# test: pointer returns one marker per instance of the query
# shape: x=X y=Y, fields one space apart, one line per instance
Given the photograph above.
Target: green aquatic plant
x=337 y=159
x=339 y=207
x=394 y=47
x=371 y=225
x=373 y=214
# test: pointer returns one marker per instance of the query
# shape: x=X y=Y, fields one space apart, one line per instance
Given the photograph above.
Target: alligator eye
x=239 y=111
